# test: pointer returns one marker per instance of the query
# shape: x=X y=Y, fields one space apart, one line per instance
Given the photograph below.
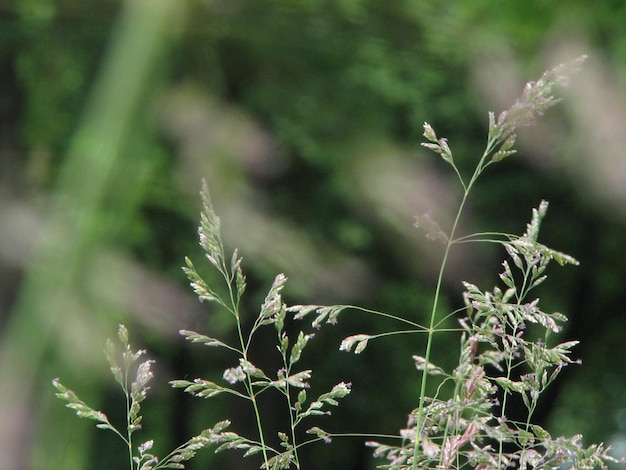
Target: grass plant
x=507 y=349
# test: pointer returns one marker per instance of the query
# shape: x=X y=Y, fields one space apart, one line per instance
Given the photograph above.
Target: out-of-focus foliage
x=305 y=118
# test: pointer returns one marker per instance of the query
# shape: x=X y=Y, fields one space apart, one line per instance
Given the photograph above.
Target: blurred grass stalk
x=48 y=308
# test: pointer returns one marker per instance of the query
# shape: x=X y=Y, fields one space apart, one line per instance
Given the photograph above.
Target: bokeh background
x=305 y=118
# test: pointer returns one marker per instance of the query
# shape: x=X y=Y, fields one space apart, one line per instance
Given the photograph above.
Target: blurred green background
x=305 y=118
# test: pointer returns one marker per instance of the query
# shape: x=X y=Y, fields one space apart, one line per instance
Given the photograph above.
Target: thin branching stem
x=431 y=328
x=386 y=315
x=251 y=392
x=482 y=164
x=129 y=430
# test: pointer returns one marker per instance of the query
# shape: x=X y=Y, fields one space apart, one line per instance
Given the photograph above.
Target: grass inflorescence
x=464 y=425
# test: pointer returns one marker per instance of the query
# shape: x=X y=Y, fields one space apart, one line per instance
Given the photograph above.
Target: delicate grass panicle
x=133 y=379
x=468 y=427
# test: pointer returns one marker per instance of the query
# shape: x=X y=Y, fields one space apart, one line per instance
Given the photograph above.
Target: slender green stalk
x=509 y=369
x=212 y=229
x=129 y=429
x=492 y=144
x=259 y=424
x=252 y=394
x=292 y=419
x=244 y=349
x=387 y=315
x=431 y=331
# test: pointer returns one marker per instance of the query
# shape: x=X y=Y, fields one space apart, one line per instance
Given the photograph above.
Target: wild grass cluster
x=508 y=350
